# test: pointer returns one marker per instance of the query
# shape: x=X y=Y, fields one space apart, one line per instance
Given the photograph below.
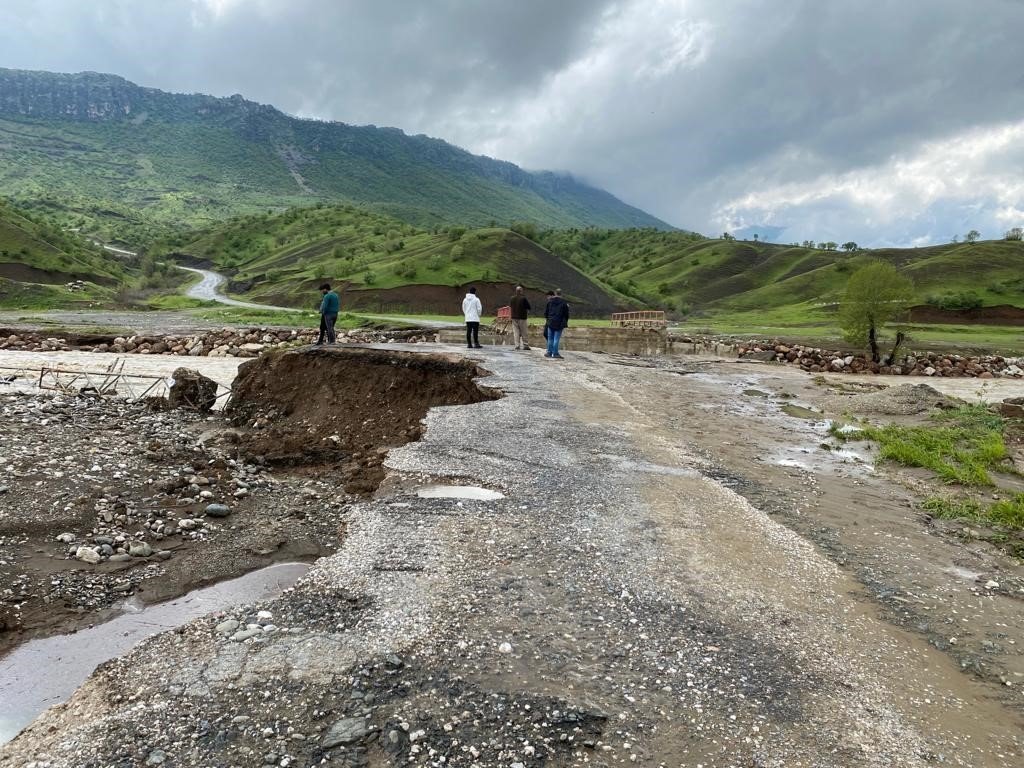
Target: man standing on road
x=520 y=306
x=557 y=315
x=330 y=305
x=547 y=298
x=472 y=309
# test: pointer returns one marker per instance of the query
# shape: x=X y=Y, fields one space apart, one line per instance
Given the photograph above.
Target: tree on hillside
x=875 y=294
x=1017 y=233
x=972 y=236
x=850 y=246
x=808 y=244
x=727 y=236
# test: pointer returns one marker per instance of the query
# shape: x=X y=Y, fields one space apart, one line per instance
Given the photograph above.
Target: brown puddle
x=44 y=672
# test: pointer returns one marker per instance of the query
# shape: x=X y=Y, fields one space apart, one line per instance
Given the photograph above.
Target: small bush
x=954 y=301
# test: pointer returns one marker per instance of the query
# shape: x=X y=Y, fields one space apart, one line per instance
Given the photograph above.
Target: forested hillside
x=382 y=263
x=131 y=162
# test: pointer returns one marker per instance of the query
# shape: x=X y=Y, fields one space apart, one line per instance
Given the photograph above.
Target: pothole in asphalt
x=472 y=492
x=45 y=672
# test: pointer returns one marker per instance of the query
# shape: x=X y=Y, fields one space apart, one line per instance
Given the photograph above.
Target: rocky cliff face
x=92 y=96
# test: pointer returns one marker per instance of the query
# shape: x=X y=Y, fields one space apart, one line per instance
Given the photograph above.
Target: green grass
x=1005 y=513
x=817 y=327
x=963 y=447
x=769 y=284
x=282 y=257
x=177 y=301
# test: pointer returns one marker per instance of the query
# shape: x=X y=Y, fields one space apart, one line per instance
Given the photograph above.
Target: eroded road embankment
x=619 y=604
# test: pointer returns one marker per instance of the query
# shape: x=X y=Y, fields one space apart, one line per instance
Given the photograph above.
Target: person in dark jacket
x=557 y=315
x=330 y=306
x=520 y=306
x=549 y=296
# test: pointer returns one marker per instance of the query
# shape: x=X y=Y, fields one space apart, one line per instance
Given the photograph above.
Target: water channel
x=47 y=671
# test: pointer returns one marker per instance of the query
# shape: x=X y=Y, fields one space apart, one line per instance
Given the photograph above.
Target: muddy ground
x=678 y=574
x=103 y=500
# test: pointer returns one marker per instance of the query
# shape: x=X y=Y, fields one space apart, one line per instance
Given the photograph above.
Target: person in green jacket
x=330 y=305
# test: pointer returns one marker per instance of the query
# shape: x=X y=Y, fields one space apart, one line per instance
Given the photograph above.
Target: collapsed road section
x=105 y=500
x=608 y=602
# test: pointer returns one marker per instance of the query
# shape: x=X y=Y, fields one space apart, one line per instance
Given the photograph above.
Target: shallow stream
x=47 y=671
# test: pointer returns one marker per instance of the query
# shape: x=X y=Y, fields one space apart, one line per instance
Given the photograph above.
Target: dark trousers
x=327 y=329
x=472 y=334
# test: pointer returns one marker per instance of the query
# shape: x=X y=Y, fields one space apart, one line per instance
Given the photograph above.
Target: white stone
x=88 y=555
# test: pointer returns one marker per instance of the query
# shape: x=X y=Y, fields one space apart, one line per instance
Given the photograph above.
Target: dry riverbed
x=669 y=569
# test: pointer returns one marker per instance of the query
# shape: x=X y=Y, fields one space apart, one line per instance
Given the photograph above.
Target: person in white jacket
x=472 y=309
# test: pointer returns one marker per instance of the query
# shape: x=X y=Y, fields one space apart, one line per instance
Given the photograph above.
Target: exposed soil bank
x=344 y=406
x=1003 y=314
x=88 y=481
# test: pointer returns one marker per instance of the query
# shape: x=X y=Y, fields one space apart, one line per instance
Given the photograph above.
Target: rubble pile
x=226 y=342
x=818 y=360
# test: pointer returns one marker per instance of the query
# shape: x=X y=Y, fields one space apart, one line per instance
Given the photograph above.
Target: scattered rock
x=192 y=390
x=89 y=555
x=345 y=731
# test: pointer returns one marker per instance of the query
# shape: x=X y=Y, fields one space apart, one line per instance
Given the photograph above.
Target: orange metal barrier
x=644 y=319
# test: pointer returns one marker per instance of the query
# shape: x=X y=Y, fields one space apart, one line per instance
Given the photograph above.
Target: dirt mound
x=904 y=400
x=1002 y=314
x=344 y=407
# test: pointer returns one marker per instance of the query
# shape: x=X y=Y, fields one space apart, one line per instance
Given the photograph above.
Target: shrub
x=954 y=301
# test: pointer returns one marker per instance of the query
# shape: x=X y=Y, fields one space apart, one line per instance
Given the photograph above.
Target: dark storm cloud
x=876 y=120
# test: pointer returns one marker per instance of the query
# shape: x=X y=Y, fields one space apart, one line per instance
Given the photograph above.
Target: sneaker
x=527 y=348
x=547 y=354
x=478 y=346
x=558 y=357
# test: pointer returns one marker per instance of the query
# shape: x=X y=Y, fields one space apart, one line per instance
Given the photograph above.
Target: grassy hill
x=38 y=259
x=382 y=264
x=122 y=160
x=687 y=272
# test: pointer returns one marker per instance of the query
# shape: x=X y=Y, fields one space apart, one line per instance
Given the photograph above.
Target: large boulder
x=192 y=390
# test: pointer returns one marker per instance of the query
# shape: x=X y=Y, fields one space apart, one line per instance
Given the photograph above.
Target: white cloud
x=976 y=169
x=876 y=120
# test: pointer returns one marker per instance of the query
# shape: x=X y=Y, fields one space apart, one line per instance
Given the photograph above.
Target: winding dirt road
x=208 y=289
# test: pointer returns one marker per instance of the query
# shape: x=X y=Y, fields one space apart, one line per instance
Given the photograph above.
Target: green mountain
x=382 y=264
x=120 y=159
x=38 y=260
x=685 y=271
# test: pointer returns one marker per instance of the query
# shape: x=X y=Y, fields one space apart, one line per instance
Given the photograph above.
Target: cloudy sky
x=882 y=121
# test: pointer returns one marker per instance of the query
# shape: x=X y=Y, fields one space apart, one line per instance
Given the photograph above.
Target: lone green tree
x=875 y=294
x=972 y=236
